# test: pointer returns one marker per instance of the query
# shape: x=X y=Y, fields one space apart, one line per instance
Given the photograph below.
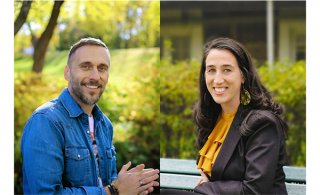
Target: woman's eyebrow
x=224 y=65
x=210 y=65
x=228 y=65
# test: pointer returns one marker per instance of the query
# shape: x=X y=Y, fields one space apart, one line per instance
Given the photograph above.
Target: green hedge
x=179 y=91
x=287 y=82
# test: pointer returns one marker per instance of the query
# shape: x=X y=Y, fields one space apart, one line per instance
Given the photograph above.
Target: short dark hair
x=206 y=113
x=86 y=41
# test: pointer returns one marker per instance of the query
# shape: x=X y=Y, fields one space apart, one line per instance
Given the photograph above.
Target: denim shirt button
x=88 y=132
x=78 y=155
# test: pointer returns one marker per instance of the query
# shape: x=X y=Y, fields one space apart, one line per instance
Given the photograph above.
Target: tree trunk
x=22 y=16
x=42 y=44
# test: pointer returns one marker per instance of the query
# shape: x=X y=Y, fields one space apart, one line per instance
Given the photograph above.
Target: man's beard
x=78 y=92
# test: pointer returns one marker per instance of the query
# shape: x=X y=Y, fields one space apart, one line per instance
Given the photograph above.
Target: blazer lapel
x=227 y=147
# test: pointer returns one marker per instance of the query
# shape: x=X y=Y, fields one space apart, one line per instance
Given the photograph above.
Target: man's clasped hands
x=136 y=181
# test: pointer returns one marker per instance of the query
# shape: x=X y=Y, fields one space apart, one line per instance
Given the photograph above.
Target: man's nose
x=94 y=74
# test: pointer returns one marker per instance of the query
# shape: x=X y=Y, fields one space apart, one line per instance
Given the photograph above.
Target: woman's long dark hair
x=206 y=111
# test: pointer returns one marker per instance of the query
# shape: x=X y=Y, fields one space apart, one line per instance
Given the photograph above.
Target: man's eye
x=84 y=66
x=102 y=68
x=227 y=70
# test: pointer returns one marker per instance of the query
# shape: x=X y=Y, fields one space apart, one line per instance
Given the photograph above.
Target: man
x=67 y=143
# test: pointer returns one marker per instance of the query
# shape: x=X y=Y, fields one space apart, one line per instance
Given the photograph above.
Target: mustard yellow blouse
x=211 y=148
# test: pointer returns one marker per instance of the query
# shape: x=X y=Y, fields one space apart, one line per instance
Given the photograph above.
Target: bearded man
x=67 y=145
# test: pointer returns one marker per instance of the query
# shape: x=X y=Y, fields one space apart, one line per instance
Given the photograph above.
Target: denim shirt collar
x=74 y=109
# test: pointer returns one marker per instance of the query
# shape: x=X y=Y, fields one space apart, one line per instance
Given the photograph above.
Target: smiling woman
x=239 y=126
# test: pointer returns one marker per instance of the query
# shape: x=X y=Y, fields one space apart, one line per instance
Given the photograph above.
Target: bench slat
x=296 y=189
x=182 y=166
x=295 y=174
x=188 y=182
x=168 y=165
x=177 y=181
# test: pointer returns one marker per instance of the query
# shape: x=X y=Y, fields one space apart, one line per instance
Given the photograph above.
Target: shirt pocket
x=111 y=156
x=77 y=163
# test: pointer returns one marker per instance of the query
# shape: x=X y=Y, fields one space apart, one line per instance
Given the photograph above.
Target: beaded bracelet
x=115 y=189
x=111 y=190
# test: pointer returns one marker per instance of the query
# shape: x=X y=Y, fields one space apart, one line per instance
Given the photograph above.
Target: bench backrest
x=183 y=174
x=189 y=167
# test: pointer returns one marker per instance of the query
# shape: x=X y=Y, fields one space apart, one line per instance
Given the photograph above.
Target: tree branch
x=22 y=16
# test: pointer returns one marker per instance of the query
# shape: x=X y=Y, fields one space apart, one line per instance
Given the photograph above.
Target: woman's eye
x=85 y=66
x=211 y=70
x=227 y=70
x=102 y=68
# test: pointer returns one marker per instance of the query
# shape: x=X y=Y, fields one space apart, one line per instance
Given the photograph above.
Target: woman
x=240 y=134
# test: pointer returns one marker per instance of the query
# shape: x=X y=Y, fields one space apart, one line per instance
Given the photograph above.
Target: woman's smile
x=220 y=90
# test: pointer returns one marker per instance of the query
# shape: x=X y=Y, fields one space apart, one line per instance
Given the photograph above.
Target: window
x=181 y=47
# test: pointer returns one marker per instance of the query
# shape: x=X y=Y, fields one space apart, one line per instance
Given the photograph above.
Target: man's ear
x=67 y=73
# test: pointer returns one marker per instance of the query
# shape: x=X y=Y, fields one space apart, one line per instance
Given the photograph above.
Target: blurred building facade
x=190 y=24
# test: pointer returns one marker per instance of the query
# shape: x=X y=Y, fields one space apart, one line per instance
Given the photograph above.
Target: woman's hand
x=199 y=182
x=204 y=178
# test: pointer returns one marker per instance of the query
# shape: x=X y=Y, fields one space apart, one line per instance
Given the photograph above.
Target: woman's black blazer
x=249 y=164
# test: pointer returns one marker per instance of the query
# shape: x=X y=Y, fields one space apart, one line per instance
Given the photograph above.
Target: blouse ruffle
x=211 y=148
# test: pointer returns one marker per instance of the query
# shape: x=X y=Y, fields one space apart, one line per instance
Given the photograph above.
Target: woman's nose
x=218 y=79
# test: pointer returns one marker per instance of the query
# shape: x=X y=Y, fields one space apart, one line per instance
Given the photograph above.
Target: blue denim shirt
x=58 y=155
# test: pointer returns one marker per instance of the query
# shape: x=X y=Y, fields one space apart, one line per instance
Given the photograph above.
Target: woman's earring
x=206 y=99
x=245 y=97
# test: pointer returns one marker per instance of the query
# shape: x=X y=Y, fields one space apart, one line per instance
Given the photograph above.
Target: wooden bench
x=183 y=174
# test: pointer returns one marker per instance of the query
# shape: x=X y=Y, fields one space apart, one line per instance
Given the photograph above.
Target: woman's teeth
x=220 y=89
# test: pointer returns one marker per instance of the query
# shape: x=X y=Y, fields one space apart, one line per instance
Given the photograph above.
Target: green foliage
x=179 y=91
x=287 y=84
x=131 y=101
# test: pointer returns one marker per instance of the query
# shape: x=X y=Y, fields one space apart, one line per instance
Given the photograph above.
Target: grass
x=125 y=63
